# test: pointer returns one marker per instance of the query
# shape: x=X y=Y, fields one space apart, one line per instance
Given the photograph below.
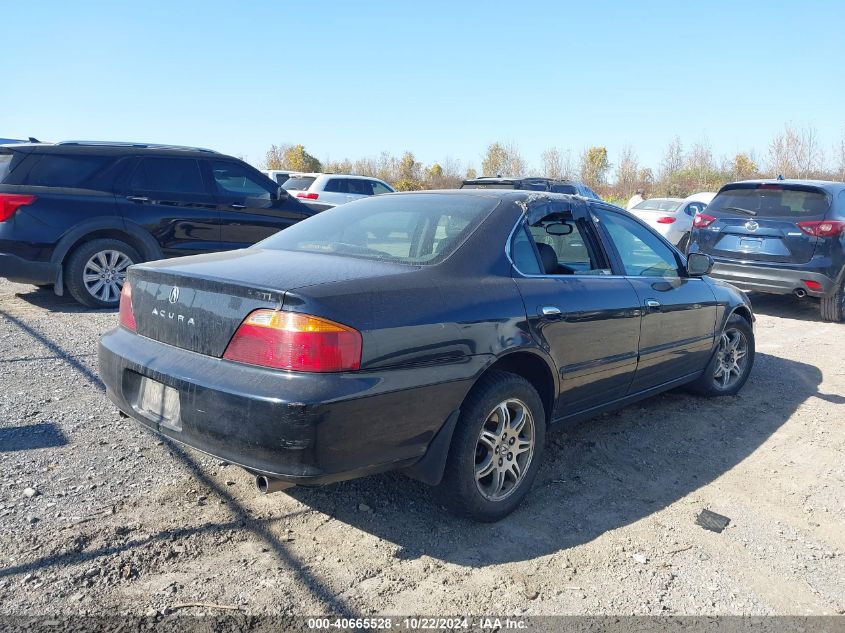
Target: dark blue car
x=779 y=237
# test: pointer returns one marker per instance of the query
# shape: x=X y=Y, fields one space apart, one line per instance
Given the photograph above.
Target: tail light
x=299 y=342
x=127 y=317
x=823 y=228
x=702 y=220
x=308 y=196
x=666 y=219
x=815 y=286
x=11 y=202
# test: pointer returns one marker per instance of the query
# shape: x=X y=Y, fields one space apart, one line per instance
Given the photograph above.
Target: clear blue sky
x=350 y=79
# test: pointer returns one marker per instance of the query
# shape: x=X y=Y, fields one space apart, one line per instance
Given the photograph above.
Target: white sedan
x=671 y=217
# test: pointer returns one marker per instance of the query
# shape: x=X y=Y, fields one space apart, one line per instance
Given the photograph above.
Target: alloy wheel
x=104 y=274
x=504 y=450
x=731 y=358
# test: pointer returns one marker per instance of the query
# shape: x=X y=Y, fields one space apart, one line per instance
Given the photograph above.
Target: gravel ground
x=100 y=517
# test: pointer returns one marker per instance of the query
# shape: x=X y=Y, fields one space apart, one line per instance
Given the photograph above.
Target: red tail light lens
x=823 y=228
x=815 y=286
x=299 y=342
x=702 y=220
x=127 y=317
x=11 y=202
x=308 y=196
x=666 y=219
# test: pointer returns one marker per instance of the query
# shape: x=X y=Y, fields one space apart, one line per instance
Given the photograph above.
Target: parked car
x=324 y=353
x=279 y=176
x=324 y=191
x=76 y=215
x=531 y=184
x=671 y=217
x=779 y=237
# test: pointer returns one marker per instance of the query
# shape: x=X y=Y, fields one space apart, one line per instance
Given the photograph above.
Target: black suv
x=533 y=183
x=780 y=237
x=77 y=214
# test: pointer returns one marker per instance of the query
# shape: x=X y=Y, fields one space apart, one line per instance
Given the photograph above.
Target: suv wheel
x=95 y=271
x=833 y=307
x=731 y=363
x=496 y=448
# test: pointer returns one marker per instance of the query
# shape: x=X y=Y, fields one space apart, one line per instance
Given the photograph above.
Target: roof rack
x=138 y=145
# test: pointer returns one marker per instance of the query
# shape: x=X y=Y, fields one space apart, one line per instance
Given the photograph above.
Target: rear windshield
x=488 y=185
x=658 y=204
x=770 y=201
x=420 y=229
x=298 y=183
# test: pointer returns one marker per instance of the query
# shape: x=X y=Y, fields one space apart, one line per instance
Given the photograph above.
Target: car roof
x=827 y=185
x=113 y=149
x=298 y=174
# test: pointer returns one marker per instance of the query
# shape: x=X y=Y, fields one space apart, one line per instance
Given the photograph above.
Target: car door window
x=235 y=180
x=336 y=185
x=174 y=175
x=360 y=187
x=642 y=253
x=693 y=208
x=565 y=247
x=379 y=188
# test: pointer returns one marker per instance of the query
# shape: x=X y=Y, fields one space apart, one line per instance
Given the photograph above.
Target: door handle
x=652 y=305
x=138 y=198
x=550 y=311
x=238 y=206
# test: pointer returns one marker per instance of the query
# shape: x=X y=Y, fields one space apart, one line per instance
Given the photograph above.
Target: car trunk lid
x=759 y=222
x=197 y=303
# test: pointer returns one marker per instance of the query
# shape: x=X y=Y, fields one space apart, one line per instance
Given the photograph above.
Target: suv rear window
x=58 y=170
x=299 y=183
x=771 y=200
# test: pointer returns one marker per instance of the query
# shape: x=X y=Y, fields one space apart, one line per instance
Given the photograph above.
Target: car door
x=249 y=204
x=171 y=199
x=586 y=318
x=679 y=312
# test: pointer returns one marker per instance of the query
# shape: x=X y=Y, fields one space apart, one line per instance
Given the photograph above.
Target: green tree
x=502 y=160
x=594 y=166
x=297 y=159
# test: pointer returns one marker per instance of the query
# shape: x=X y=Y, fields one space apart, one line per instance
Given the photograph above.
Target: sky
x=441 y=79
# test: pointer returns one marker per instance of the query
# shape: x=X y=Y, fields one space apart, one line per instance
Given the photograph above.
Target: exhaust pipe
x=800 y=293
x=268 y=485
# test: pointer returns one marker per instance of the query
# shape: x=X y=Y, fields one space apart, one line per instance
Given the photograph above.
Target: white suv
x=330 y=190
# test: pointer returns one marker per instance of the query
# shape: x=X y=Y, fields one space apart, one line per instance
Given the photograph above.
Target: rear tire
x=732 y=361
x=833 y=307
x=95 y=271
x=496 y=448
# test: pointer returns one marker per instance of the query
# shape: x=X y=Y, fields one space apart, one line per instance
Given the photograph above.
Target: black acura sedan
x=440 y=333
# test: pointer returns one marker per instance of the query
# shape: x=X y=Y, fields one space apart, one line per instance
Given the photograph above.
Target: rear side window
x=336 y=185
x=174 y=175
x=771 y=201
x=299 y=183
x=56 y=170
x=5 y=164
x=360 y=187
x=379 y=188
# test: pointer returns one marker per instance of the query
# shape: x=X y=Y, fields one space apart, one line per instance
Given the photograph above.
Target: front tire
x=833 y=307
x=731 y=364
x=96 y=270
x=496 y=448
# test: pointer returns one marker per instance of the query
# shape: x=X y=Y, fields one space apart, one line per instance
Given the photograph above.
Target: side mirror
x=699 y=264
x=282 y=193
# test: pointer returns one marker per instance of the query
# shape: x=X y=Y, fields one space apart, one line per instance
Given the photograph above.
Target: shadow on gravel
x=786 y=307
x=319 y=589
x=29 y=436
x=46 y=299
x=598 y=476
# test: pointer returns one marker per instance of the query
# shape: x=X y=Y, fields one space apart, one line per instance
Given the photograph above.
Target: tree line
x=794 y=152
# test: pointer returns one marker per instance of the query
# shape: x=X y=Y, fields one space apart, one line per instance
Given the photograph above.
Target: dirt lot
x=99 y=517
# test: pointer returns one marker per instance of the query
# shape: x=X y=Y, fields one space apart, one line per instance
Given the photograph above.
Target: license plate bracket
x=160 y=402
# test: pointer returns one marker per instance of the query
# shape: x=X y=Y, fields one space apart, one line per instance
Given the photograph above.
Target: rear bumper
x=26 y=271
x=773 y=278
x=301 y=428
